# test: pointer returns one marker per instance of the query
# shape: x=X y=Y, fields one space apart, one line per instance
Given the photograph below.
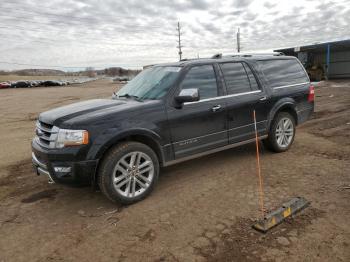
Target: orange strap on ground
x=261 y=189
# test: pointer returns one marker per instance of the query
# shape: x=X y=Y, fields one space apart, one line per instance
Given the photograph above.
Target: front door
x=199 y=126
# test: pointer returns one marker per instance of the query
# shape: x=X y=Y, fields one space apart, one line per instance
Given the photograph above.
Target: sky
x=74 y=34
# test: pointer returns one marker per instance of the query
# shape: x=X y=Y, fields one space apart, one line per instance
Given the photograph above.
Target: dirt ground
x=201 y=210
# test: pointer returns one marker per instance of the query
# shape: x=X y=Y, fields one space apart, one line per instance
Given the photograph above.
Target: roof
x=196 y=61
x=343 y=45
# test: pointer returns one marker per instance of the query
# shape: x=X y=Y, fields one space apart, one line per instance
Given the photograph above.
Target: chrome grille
x=46 y=134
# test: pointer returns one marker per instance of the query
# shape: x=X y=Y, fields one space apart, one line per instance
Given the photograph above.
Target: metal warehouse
x=330 y=60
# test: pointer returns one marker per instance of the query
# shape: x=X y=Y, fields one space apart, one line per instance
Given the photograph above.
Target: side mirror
x=188 y=95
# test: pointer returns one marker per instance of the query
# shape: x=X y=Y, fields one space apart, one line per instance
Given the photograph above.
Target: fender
x=284 y=103
x=111 y=136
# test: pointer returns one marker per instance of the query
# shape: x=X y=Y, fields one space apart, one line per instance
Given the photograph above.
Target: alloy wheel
x=284 y=132
x=133 y=174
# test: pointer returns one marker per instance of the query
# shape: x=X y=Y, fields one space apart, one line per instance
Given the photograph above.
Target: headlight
x=67 y=137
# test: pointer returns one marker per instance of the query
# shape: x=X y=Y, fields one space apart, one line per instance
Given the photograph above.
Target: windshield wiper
x=130 y=96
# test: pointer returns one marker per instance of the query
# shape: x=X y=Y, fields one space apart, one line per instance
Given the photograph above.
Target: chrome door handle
x=216 y=108
x=264 y=98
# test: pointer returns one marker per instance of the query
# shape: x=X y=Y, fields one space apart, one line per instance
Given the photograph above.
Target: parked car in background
x=121 y=79
x=172 y=113
x=5 y=85
x=20 y=84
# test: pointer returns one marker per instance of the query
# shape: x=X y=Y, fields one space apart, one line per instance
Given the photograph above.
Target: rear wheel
x=282 y=133
x=129 y=172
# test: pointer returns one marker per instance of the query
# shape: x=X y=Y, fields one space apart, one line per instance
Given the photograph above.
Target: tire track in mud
x=46 y=194
x=19 y=179
x=14 y=171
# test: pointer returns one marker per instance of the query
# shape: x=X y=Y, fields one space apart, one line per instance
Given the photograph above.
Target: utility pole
x=238 y=41
x=179 y=40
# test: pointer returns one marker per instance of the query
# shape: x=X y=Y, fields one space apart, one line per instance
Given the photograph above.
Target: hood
x=90 y=107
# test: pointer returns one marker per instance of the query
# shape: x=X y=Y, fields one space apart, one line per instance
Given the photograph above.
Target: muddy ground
x=201 y=210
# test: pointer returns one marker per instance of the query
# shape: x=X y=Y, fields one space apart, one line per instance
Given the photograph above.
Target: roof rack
x=219 y=56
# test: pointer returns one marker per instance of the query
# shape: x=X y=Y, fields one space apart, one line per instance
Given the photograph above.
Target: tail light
x=311 y=96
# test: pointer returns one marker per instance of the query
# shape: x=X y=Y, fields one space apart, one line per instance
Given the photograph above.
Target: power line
x=179 y=40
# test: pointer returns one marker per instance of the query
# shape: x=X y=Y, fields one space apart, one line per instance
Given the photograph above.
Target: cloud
x=242 y=3
x=269 y=5
x=137 y=32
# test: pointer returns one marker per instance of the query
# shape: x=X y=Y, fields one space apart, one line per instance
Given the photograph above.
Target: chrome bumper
x=41 y=168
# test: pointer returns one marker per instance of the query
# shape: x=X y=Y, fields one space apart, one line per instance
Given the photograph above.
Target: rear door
x=199 y=126
x=244 y=95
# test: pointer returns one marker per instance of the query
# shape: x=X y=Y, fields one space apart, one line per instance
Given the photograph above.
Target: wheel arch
x=286 y=106
x=146 y=137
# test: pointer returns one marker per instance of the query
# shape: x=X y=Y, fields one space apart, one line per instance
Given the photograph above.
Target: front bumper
x=41 y=168
x=63 y=165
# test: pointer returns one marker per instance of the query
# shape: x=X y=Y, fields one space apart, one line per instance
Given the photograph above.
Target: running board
x=183 y=159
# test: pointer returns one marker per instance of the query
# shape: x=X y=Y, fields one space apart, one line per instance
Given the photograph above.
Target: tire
x=281 y=140
x=124 y=182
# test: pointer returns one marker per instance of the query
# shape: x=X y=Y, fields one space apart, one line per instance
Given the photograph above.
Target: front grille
x=46 y=134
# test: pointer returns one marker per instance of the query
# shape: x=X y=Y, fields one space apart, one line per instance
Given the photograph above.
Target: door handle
x=216 y=108
x=264 y=98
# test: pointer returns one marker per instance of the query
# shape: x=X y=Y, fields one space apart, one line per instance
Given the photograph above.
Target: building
x=330 y=60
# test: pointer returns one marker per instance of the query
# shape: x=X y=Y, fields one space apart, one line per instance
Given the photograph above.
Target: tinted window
x=283 y=72
x=252 y=80
x=236 y=78
x=203 y=78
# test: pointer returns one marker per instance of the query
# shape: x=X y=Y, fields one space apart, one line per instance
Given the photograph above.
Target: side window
x=281 y=72
x=252 y=80
x=203 y=78
x=236 y=78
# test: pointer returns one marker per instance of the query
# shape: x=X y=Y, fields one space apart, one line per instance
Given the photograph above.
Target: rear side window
x=253 y=84
x=283 y=72
x=203 y=78
x=238 y=78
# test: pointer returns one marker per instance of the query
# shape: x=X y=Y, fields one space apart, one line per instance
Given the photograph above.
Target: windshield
x=152 y=83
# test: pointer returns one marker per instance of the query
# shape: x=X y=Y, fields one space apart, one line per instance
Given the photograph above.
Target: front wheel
x=282 y=133
x=129 y=172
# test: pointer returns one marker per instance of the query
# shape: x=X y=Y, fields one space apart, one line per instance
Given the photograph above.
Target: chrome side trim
x=252 y=124
x=220 y=97
x=279 y=87
x=37 y=162
x=198 y=137
x=215 y=133
x=176 y=161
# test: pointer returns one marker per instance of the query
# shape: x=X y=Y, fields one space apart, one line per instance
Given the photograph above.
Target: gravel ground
x=201 y=210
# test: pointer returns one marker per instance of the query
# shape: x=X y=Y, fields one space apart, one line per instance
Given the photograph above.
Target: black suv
x=171 y=113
